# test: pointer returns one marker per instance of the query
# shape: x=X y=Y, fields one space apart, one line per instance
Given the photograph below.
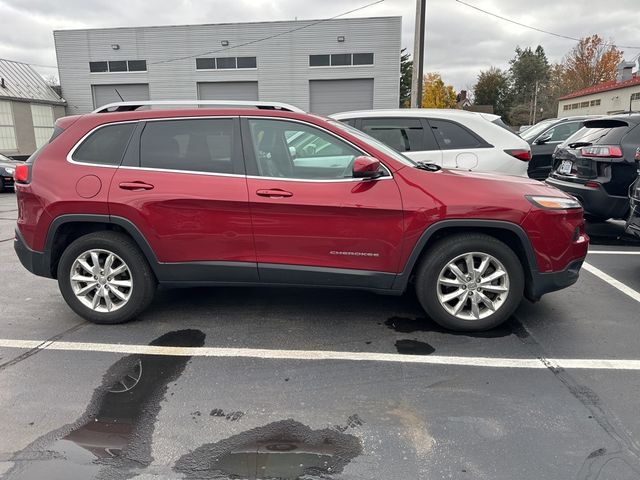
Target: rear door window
x=106 y=145
x=200 y=145
x=453 y=136
x=402 y=134
x=562 y=131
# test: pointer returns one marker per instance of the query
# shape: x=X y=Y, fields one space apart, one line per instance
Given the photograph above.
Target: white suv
x=449 y=138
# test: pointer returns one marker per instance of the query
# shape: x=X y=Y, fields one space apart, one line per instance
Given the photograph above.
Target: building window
x=118 y=66
x=319 y=60
x=566 y=107
x=575 y=105
x=584 y=104
x=226 y=63
x=635 y=96
x=7 y=127
x=42 y=116
x=595 y=103
x=363 y=58
x=340 y=59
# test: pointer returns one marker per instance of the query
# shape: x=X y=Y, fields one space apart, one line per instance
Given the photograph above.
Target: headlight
x=9 y=170
x=553 y=203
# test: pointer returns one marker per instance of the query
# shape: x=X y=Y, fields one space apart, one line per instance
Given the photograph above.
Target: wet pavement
x=174 y=414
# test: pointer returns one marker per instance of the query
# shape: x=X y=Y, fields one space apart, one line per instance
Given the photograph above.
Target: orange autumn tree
x=590 y=62
x=435 y=94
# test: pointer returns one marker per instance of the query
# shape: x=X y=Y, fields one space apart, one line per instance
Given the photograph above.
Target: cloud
x=460 y=41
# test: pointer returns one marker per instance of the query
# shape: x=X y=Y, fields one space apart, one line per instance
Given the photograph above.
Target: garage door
x=246 y=91
x=332 y=96
x=103 y=94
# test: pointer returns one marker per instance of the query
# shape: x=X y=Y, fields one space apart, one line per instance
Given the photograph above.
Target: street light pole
x=418 y=54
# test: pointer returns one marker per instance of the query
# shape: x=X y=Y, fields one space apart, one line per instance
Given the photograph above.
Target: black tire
x=446 y=250
x=594 y=218
x=2 y=187
x=143 y=280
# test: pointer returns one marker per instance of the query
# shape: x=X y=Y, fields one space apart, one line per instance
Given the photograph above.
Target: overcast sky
x=460 y=41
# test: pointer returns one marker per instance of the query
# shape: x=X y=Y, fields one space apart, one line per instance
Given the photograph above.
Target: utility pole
x=418 y=54
x=535 y=104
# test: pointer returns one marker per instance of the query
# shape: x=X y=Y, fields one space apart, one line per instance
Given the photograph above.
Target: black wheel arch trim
x=402 y=279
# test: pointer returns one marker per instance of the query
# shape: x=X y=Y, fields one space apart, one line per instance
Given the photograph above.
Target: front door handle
x=136 y=186
x=274 y=193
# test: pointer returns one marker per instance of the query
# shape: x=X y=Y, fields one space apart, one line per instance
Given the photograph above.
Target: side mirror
x=366 y=167
x=292 y=152
x=544 y=138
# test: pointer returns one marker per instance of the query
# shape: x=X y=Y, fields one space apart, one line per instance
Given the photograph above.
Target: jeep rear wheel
x=470 y=282
x=104 y=278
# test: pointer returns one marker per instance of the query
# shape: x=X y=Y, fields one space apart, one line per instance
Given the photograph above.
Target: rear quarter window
x=105 y=146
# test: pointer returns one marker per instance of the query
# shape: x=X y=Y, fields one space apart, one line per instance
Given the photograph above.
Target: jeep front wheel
x=470 y=282
x=105 y=278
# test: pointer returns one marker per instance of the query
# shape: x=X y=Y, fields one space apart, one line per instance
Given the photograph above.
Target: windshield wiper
x=579 y=144
x=429 y=167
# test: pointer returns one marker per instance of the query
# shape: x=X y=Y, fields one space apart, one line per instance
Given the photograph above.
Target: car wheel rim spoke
x=101 y=280
x=473 y=286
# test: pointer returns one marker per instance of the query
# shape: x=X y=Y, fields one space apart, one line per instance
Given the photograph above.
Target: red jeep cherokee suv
x=120 y=201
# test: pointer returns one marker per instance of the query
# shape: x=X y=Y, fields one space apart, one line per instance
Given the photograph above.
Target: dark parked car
x=118 y=202
x=633 y=224
x=544 y=137
x=597 y=165
x=7 y=167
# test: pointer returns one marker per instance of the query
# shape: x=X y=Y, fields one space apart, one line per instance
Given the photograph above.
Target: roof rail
x=134 y=105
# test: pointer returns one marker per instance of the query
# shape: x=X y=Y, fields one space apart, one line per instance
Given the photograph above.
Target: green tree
x=529 y=71
x=435 y=94
x=406 y=71
x=527 y=68
x=494 y=88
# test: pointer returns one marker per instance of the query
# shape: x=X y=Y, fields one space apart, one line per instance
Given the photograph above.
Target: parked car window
x=602 y=132
x=402 y=134
x=296 y=150
x=106 y=145
x=203 y=145
x=562 y=131
x=451 y=136
x=534 y=131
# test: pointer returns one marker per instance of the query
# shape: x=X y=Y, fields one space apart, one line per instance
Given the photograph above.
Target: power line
x=270 y=36
x=538 y=29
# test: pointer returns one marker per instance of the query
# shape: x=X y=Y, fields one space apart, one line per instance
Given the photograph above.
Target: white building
x=319 y=66
x=617 y=96
x=28 y=109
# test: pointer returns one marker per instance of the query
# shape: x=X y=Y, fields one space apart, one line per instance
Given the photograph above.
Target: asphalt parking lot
x=281 y=383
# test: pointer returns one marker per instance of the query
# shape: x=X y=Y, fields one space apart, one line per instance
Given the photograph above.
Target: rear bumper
x=595 y=201
x=542 y=283
x=35 y=262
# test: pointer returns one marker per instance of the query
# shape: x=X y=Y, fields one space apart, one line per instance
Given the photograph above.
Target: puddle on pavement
x=113 y=437
x=414 y=347
x=284 y=450
x=423 y=324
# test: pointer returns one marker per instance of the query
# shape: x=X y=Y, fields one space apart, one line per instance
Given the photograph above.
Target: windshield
x=372 y=141
x=532 y=132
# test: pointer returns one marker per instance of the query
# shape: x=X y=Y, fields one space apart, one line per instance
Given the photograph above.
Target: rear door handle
x=136 y=186
x=274 y=193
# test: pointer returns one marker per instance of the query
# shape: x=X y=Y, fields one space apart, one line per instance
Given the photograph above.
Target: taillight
x=610 y=151
x=21 y=175
x=592 y=184
x=520 y=154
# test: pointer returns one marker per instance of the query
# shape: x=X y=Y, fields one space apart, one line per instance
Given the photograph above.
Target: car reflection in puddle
x=113 y=437
x=285 y=450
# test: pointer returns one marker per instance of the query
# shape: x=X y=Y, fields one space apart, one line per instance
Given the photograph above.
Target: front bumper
x=35 y=262
x=595 y=201
x=542 y=283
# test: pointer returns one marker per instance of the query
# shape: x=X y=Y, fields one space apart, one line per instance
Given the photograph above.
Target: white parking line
x=612 y=281
x=614 y=252
x=267 y=354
